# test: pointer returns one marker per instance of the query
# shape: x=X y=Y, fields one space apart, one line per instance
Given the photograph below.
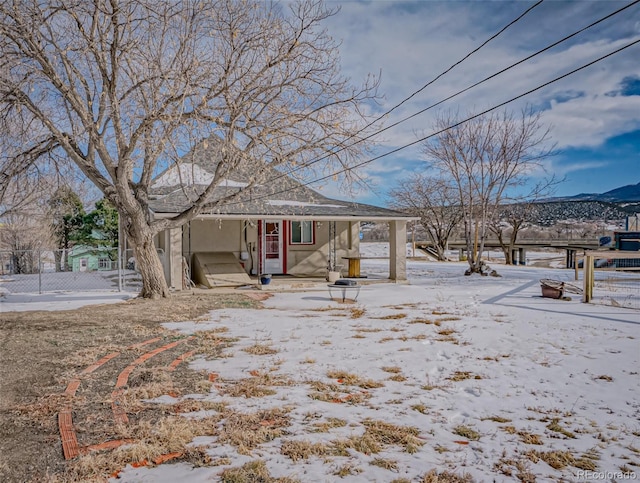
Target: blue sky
x=594 y=115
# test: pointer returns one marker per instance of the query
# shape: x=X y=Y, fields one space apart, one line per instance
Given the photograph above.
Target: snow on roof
x=301 y=203
x=187 y=174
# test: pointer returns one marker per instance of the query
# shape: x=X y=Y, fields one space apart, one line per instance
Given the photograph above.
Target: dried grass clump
x=446 y=332
x=421 y=408
x=209 y=343
x=364 y=444
x=466 y=432
x=497 y=419
x=151 y=440
x=385 y=463
x=530 y=438
x=357 y=312
x=346 y=470
x=302 y=450
x=462 y=376
x=401 y=315
x=260 y=350
x=392 y=369
x=349 y=379
x=397 y=378
x=330 y=423
x=45 y=408
x=554 y=425
x=446 y=477
x=422 y=321
x=390 y=434
x=247 y=388
x=562 y=459
x=257 y=386
x=247 y=431
x=252 y=472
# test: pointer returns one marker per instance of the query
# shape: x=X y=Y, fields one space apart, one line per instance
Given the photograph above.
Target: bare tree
x=508 y=223
x=434 y=200
x=488 y=159
x=125 y=88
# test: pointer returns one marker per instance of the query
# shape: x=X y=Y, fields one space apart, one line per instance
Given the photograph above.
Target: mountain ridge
x=622 y=194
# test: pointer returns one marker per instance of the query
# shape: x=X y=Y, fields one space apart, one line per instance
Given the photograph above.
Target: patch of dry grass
x=420 y=320
x=604 y=377
x=391 y=434
x=462 y=376
x=252 y=472
x=247 y=431
x=344 y=377
x=562 y=459
x=496 y=419
x=385 y=463
x=401 y=315
x=260 y=350
x=297 y=450
x=347 y=470
x=397 y=378
x=554 y=426
x=392 y=369
x=150 y=440
x=530 y=438
x=330 y=423
x=466 y=432
x=356 y=312
x=446 y=477
x=421 y=408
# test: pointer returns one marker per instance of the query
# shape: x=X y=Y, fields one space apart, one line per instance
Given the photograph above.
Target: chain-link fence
x=73 y=270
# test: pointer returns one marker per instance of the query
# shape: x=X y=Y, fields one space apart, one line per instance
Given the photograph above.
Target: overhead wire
x=486 y=111
x=406 y=99
x=346 y=169
x=452 y=126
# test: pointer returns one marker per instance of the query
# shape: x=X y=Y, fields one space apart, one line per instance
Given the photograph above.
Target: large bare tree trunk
x=148 y=263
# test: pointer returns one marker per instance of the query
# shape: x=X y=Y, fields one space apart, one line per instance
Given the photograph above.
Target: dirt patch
x=40 y=353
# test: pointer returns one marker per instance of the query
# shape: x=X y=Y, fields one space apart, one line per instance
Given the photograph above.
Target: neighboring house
x=84 y=258
x=279 y=226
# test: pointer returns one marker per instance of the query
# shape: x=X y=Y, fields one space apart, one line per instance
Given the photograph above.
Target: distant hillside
x=623 y=194
x=549 y=213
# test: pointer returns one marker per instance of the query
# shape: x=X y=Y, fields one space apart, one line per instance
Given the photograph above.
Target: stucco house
x=279 y=226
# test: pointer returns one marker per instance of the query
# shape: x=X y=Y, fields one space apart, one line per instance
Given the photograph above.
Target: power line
x=502 y=104
x=529 y=57
x=521 y=61
x=450 y=97
x=474 y=116
x=386 y=113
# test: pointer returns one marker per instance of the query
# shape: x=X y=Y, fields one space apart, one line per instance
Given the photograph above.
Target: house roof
x=274 y=195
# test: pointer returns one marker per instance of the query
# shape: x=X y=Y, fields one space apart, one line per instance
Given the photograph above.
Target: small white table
x=344 y=289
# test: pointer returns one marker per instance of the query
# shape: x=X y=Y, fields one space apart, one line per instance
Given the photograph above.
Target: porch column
x=398 y=250
x=173 y=256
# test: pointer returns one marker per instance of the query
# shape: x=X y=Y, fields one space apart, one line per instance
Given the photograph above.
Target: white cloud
x=412 y=42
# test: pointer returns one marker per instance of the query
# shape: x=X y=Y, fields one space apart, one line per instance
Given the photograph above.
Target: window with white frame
x=302 y=232
x=104 y=263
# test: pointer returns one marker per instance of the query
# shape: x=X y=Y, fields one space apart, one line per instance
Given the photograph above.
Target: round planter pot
x=265 y=279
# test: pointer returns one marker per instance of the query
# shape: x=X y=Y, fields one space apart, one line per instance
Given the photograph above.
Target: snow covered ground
x=498 y=382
